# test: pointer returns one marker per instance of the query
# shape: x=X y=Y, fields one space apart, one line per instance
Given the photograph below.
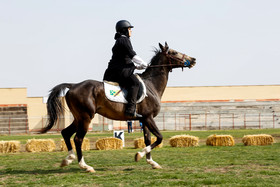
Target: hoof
x=137 y=157
x=91 y=171
x=64 y=163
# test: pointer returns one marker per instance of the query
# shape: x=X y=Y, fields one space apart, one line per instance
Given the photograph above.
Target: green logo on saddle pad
x=115 y=92
x=112 y=92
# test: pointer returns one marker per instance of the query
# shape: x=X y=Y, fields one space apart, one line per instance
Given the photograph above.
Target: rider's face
x=129 y=32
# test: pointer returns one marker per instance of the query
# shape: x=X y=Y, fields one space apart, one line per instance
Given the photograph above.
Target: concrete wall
x=37 y=112
x=13 y=96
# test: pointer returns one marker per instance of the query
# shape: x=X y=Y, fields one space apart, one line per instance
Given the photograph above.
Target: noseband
x=186 y=63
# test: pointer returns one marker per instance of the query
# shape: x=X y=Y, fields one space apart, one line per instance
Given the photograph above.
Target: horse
x=87 y=98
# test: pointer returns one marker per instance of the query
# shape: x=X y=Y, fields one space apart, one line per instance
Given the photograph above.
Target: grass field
x=195 y=166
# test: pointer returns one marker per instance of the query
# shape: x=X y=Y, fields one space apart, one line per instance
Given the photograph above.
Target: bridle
x=186 y=63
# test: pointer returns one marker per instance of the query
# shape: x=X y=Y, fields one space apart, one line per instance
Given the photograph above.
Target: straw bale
x=85 y=145
x=109 y=143
x=40 y=145
x=9 y=146
x=220 y=140
x=140 y=143
x=183 y=141
x=258 y=139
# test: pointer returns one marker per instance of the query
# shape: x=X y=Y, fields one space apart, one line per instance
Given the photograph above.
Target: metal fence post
x=205 y=120
x=175 y=122
x=190 y=122
x=259 y=120
x=26 y=125
x=185 y=120
x=273 y=119
x=42 y=121
x=232 y=121
x=219 y=121
x=103 y=124
x=163 y=122
x=9 y=125
x=245 y=121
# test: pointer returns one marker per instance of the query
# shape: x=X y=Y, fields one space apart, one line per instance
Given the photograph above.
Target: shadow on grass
x=114 y=169
x=40 y=171
x=53 y=171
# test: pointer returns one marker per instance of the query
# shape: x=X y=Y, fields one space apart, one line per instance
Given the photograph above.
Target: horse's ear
x=166 y=46
x=161 y=47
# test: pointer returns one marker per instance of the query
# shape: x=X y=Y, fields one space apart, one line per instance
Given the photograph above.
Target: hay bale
x=109 y=143
x=183 y=141
x=220 y=140
x=40 y=145
x=85 y=145
x=258 y=139
x=140 y=143
x=9 y=146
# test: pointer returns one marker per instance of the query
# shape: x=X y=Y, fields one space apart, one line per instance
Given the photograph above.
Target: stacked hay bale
x=109 y=143
x=220 y=140
x=140 y=143
x=258 y=139
x=9 y=146
x=40 y=145
x=85 y=145
x=183 y=141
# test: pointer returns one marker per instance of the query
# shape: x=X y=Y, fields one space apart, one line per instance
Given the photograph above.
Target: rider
x=122 y=65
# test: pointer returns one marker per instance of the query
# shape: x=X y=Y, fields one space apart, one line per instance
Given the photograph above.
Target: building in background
x=183 y=108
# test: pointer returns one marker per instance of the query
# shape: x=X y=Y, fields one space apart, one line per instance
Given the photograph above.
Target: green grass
x=194 y=166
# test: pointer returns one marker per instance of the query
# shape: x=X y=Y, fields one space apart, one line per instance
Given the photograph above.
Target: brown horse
x=87 y=98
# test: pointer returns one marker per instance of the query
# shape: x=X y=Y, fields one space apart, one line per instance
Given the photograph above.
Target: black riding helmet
x=123 y=24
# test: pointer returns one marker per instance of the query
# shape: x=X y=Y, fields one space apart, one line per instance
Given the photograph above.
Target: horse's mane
x=155 y=60
x=149 y=73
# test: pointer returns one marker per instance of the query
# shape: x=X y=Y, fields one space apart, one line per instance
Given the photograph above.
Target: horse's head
x=176 y=59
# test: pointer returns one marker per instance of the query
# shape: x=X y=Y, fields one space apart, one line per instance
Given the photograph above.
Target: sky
x=48 y=42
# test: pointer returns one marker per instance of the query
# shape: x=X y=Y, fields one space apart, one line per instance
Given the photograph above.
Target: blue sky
x=45 y=43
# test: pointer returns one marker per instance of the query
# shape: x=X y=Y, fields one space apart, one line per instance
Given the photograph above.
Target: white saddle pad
x=114 y=93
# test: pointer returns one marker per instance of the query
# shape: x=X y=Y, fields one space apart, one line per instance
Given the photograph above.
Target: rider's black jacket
x=120 y=66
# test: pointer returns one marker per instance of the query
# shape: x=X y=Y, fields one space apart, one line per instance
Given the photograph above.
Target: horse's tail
x=54 y=105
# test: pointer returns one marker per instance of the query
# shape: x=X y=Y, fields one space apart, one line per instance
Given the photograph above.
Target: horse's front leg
x=150 y=161
x=147 y=150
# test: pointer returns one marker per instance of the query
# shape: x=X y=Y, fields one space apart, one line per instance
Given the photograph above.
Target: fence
x=164 y=121
x=203 y=121
x=21 y=125
x=9 y=125
x=207 y=121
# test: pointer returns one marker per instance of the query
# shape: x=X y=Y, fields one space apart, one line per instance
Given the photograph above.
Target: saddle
x=115 y=93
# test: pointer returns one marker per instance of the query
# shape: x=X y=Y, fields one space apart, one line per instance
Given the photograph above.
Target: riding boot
x=131 y=105
x=131 y=111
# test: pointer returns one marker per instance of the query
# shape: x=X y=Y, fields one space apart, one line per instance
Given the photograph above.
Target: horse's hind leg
x=66 y=134
x=79 y=137
x=147 y=136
